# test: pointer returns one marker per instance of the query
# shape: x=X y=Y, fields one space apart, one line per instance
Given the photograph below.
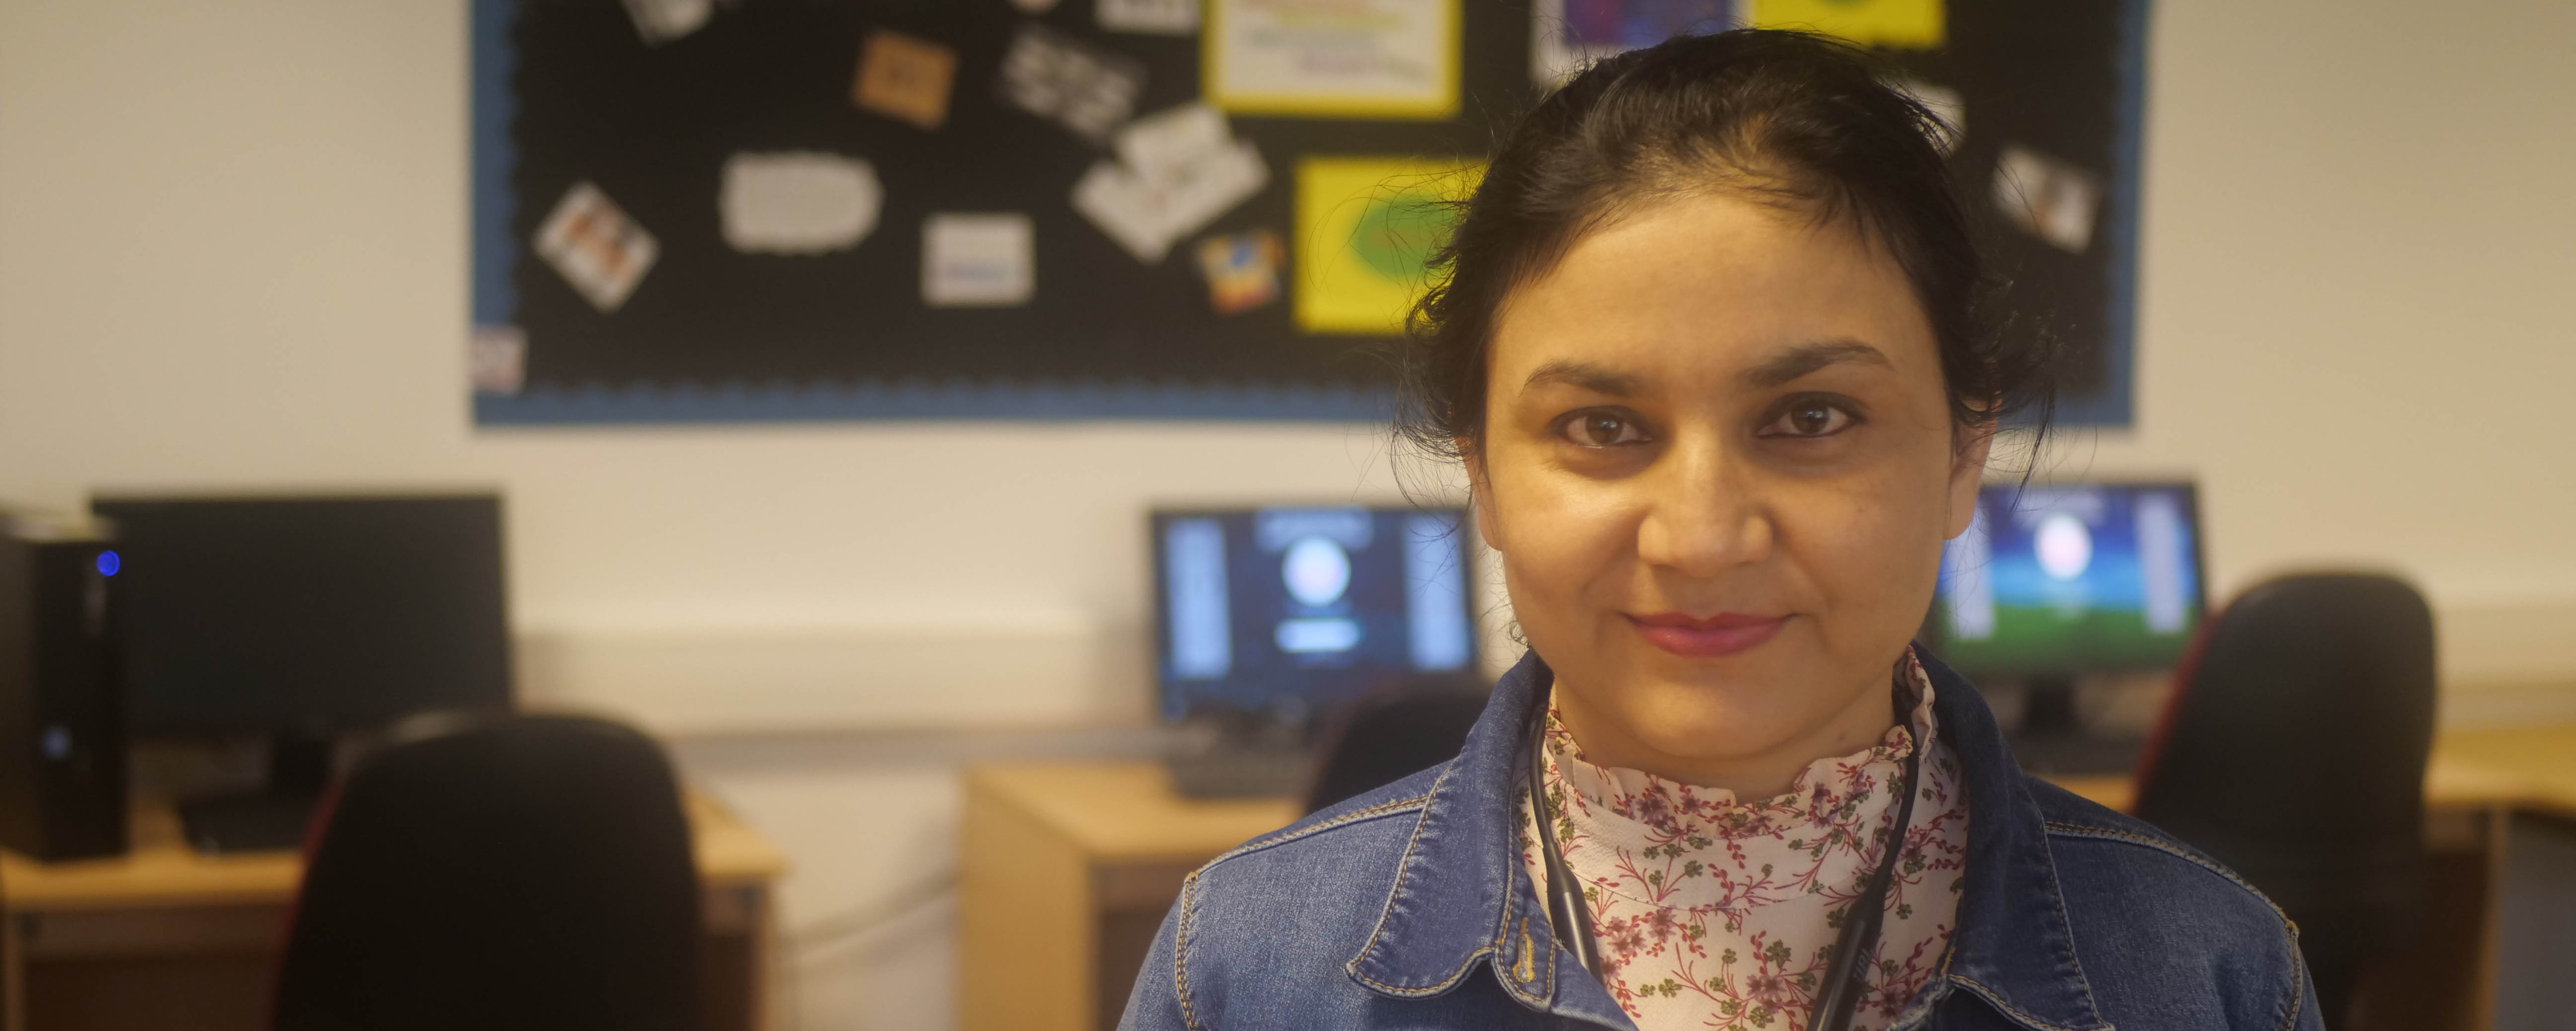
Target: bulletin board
x=696 y=211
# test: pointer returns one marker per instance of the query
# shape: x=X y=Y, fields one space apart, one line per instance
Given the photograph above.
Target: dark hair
x=1787 y=118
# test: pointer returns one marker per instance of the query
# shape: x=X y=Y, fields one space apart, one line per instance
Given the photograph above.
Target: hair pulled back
x=1792 y=119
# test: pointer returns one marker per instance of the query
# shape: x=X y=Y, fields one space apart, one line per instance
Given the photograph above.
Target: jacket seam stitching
x=1181 y=953
x=1402 y=868
x=2134 y=838
x=1520 y=869
x=1354 y=816
x=2067 y=921
x=2298 y=982
x=1511 y=905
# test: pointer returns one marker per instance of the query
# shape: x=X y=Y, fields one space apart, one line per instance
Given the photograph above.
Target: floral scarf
x=1715 y=913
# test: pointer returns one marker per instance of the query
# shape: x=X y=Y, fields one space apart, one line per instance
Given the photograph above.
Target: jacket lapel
x=1461 y=896
x=2013 y=946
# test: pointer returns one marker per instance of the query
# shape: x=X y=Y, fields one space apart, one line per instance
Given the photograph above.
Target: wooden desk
x=1066 y=872
x=199 y=934
x=1068 y=869
x=2529 y=769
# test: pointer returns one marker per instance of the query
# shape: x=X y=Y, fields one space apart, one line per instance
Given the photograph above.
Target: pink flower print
x=1655 y=810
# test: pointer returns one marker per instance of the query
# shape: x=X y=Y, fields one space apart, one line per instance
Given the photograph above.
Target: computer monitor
x=1263 y=609
x=2059 y=580
x=2051 y=582
x=309 y=615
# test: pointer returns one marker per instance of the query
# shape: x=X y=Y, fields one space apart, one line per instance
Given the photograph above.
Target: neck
x=1764 y=771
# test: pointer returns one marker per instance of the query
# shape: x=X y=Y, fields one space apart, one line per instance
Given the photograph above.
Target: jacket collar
x=1462 y=898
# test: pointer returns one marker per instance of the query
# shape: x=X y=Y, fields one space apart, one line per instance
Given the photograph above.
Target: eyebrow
x=1585 y=375
x=1780 y=370
x=1809 y=357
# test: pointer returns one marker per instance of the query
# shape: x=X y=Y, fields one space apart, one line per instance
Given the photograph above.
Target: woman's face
x=1719 y=465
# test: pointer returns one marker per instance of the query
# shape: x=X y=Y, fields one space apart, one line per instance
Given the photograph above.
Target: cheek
x=1563 y=538
x=1872 y=544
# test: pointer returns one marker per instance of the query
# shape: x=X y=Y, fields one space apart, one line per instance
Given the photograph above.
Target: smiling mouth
x=1724 y=634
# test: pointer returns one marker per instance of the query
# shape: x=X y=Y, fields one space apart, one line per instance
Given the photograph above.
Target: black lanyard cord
x=1844 y=974
x=1845 y=979
x=1566 y=911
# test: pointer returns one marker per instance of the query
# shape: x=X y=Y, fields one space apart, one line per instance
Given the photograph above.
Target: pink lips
x=1714 y=637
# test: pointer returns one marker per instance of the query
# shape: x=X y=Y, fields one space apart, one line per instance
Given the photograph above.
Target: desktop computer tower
x=62 y=721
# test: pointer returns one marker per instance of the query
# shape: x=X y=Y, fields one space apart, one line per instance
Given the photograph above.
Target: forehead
x=1702 y=289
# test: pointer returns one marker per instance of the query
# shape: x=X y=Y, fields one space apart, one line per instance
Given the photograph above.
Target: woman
x=1709 y=350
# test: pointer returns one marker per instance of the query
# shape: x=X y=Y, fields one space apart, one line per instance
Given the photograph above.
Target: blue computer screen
x=1259 y=607
x=2069 y=579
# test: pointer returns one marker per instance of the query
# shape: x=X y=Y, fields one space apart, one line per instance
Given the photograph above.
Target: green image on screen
x=2072 y=579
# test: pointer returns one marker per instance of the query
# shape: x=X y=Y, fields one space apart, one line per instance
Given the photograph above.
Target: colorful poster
x=1333 y=58
x=1903 y=24
x=1242 y=269
x=1566 y=35
x=1366 y=230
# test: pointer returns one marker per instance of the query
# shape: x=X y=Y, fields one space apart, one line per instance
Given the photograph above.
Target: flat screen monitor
x=1258 y=608
x=2058 y=580
x=309 y=615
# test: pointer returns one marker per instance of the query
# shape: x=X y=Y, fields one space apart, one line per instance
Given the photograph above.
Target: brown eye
x=1810 y=417
x=1603 y=429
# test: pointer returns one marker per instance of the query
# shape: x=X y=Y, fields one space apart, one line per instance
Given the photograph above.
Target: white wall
x=233 y=254
x=2358 y=240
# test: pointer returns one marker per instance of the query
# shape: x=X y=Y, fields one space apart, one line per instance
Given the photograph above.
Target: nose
x=1703 y=516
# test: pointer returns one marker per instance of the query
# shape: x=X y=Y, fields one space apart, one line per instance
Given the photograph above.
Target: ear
x=1480 y=492
x=1967 y=473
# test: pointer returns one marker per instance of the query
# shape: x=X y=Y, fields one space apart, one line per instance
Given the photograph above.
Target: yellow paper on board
x=1902 y=24
x=1368 y=59
x=1366 y=229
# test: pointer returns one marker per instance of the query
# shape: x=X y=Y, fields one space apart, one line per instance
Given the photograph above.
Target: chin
x=1713 y=709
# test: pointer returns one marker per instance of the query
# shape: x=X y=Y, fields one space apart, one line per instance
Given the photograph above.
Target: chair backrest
x=1392 y=734
x=530 y=872
x=2294 y=747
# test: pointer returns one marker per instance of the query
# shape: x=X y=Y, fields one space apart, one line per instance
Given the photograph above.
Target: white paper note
x=661 y=21
x=1162 y=145
x=496 y=359
x=978 y=260
x=798 y=202
x=2047 y=198
x=1161 y=17
x=596 y=247
x=1089 y=89
x=1147 y=216
x=1945 y=104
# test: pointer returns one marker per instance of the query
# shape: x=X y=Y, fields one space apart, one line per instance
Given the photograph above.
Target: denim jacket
x=1408 y=907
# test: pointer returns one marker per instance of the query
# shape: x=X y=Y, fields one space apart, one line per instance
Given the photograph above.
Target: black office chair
x=1391 y=734
x=522 y=872
x=2293 y=751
